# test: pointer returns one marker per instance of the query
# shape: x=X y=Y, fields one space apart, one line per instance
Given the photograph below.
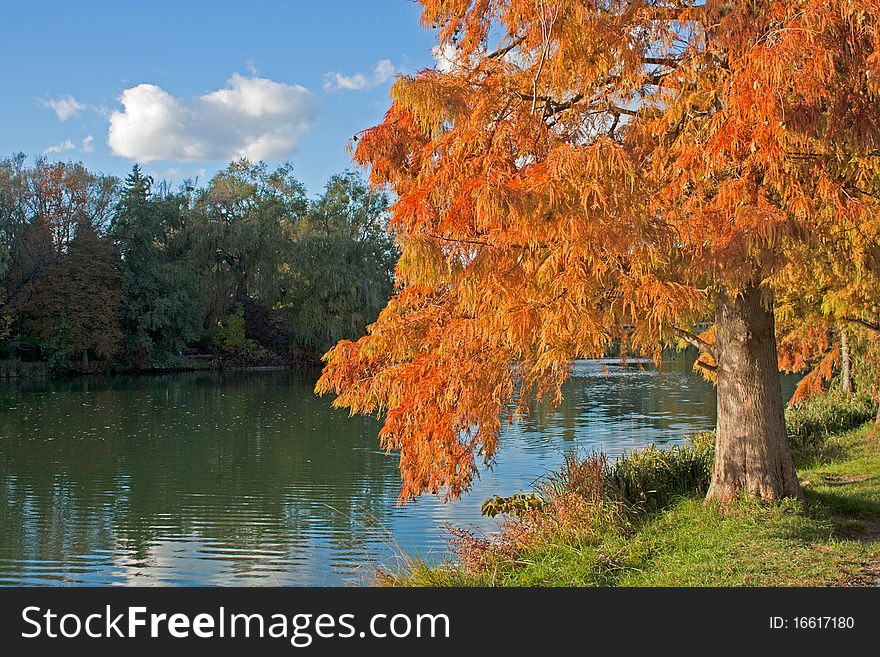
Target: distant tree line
x=99 y=274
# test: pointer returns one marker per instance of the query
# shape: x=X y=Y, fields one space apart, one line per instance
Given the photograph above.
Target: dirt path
x=868 y=573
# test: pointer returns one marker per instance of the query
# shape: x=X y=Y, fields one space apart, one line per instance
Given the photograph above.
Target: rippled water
x=249 y=479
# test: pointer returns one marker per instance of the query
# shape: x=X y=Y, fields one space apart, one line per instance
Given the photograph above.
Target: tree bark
x=845 y=374
x=752 y=454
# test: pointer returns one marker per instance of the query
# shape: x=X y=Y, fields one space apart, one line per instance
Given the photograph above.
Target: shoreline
x=44 y=374
x=657 y=529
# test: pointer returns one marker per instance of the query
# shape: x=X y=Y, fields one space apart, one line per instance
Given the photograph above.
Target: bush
x=19 y=369
x=230 y=335
x=652 y=478
x=233 y=343
x=586 y=499
x=515 y=505
x=643 y=480
x=589 y=499
x=811 y=421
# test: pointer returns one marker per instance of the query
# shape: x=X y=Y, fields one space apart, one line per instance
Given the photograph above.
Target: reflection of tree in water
x=627 y=395
x=254 y=466
x=99 y=476
x=610 y=397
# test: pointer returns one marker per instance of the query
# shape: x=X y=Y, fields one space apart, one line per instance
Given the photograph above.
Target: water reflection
x=251 y=480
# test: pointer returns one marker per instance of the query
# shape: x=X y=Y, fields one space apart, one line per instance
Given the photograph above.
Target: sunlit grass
x=830 y=541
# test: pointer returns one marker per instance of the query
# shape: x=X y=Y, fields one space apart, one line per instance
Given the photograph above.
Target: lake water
x=249 y=479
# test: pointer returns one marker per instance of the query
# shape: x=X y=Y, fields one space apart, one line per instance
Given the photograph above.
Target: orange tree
x=830 y=286
x=577 y=172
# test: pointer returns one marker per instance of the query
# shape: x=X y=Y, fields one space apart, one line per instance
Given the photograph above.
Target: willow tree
x=578 y=172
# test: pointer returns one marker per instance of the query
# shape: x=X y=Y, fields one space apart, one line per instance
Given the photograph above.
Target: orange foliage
x=581 y=172
x=809 y=348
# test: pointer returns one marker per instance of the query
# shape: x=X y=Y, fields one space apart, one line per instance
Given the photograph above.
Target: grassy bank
x=642 y=520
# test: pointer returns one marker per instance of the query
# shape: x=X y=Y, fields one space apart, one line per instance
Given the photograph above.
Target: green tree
x=75 y=307
x=42 y=208
x=343 y=264
x=14 y=207
x=243 y=227
x=164 y=307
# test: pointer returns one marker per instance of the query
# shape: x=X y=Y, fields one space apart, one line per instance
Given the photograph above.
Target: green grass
x=832 y=540
x=812 y=421
x=751 y=545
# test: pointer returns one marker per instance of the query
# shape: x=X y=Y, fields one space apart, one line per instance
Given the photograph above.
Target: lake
x=249 y=479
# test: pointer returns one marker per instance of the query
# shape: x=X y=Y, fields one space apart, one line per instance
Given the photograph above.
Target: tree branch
x=458 y=240
x=506 y=49
x=661 y=61
x=694 y=340
x=706 y=366
x=861 y=322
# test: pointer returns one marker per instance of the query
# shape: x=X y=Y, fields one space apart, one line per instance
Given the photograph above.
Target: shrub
x=230 y=335
x=232 y=341
x=811 y=421
x=585 y=499
x=649 y=480
x=19 y=369
x=584 y=477
x=588 y=497
x=515 y=505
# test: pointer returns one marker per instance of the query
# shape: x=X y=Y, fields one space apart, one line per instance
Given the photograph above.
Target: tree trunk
x=845 y=375
x=85 y=360
x=752 y=455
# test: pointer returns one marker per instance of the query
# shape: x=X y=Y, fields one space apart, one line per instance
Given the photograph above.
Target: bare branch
x=546 y=35
x=861 y=322
x=661 y=61
x=506 y=49
x=706 y=366
x=458 y=240
x=694 y=340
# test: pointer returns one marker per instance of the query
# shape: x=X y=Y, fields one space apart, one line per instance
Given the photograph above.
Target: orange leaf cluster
x=582 y=172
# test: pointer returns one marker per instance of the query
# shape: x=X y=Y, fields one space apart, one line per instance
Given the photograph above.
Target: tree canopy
x=136 y=275
x=75 y=306
x=579 y=173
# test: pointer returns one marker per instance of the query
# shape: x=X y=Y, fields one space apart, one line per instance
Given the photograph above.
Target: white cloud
x=88 y=144
x=383 y=72
x=251 y=117
x=446 y=57
x=356 y=82
x=64 y=108
x=60 y=147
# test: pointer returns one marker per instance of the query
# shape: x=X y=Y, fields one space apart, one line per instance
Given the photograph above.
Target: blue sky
x=184 y=86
